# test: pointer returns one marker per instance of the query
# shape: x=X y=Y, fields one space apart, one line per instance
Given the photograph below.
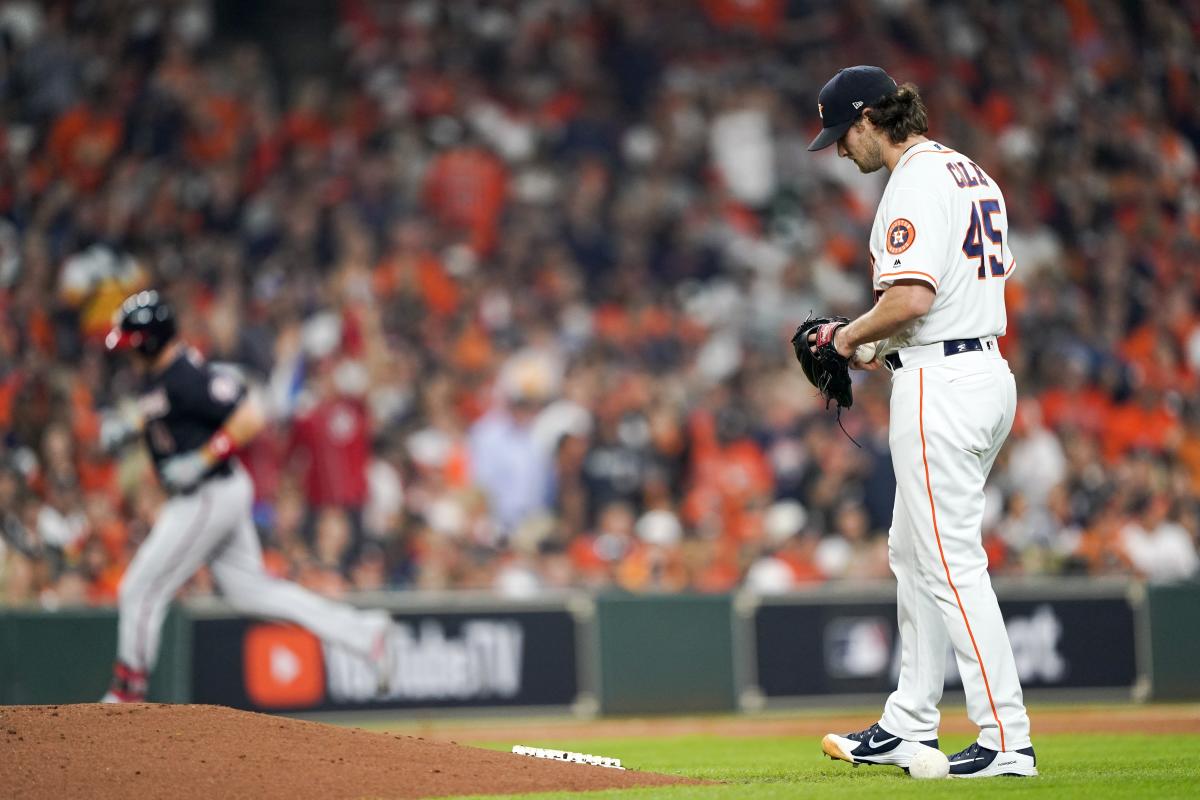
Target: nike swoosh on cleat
x=968 y=761
x=873 y=743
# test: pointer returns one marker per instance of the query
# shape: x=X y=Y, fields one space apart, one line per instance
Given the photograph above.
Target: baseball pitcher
x=193 y=417
x=939 y=259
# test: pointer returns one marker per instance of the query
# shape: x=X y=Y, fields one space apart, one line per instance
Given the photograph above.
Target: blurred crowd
x=516 y=282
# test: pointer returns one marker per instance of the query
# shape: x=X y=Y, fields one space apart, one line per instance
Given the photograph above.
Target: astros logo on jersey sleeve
x=900 y=236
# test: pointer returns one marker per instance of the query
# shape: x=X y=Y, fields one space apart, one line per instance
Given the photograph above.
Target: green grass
x=766 y=768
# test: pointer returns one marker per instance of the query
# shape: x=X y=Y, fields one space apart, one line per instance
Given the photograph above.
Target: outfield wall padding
x=1174 y=623
x=66 y=656
x=641 y=654
x=666 y=654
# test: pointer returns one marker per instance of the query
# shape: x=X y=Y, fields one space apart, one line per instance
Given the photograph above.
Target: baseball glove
x=824 y=367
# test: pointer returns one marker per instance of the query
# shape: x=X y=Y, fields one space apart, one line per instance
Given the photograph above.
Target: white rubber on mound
x=567 y=756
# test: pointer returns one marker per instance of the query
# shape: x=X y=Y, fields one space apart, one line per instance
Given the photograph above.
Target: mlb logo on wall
x=858 y=647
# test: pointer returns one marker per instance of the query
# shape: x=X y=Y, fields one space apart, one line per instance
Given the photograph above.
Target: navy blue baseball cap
x=844 y=98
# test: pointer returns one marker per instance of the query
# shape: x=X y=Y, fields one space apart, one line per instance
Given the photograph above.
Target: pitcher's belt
x=950 y=347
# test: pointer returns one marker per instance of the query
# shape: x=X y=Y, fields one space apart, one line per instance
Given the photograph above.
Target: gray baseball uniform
x=183 y=406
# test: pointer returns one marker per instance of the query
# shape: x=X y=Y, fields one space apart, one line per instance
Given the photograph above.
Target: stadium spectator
x=508 y=460
x=1159 y=548
x=519 y=292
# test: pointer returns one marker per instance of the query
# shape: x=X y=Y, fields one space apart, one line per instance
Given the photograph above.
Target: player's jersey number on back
x=982 y=225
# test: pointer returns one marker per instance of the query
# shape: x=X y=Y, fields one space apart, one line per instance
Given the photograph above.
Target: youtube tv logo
x=283 y=666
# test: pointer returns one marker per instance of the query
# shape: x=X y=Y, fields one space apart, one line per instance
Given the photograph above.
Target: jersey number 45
x=981 y=226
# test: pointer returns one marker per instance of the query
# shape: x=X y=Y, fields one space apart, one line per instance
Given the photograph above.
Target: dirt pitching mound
x=193 y=751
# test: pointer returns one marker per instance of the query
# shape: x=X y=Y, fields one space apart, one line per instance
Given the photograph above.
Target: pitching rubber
x=568 y=756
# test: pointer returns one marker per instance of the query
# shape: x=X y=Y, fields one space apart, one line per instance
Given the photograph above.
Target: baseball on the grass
x=865 y=353
x=929 y=763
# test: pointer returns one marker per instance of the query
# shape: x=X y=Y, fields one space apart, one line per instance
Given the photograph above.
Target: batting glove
x=115 y=433
x=183 y=472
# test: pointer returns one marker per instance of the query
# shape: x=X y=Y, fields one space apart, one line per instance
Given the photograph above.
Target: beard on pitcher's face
x=861 y=145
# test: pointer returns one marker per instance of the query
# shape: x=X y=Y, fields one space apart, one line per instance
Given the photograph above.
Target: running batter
x=939 y=259
x=193 y=417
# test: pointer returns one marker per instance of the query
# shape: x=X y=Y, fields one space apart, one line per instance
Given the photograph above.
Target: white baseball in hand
x=865 y=353
x=929 y=763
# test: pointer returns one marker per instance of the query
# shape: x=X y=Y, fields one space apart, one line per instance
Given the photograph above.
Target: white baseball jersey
x=942 y=220
x=214 y=526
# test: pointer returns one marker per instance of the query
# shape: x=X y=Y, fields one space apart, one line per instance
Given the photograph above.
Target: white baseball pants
x=949 y=417
x=214 y=525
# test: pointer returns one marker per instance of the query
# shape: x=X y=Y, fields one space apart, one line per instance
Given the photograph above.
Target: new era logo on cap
x=845 y=96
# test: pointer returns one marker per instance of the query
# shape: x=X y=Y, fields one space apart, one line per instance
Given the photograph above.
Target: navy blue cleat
x=874 y=746
x=981 y=762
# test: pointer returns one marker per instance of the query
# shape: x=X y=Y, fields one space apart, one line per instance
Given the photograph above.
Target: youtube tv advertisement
x=438 y=660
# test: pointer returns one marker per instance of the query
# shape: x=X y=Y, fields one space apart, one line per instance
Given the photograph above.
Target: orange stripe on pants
x=942 y=553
